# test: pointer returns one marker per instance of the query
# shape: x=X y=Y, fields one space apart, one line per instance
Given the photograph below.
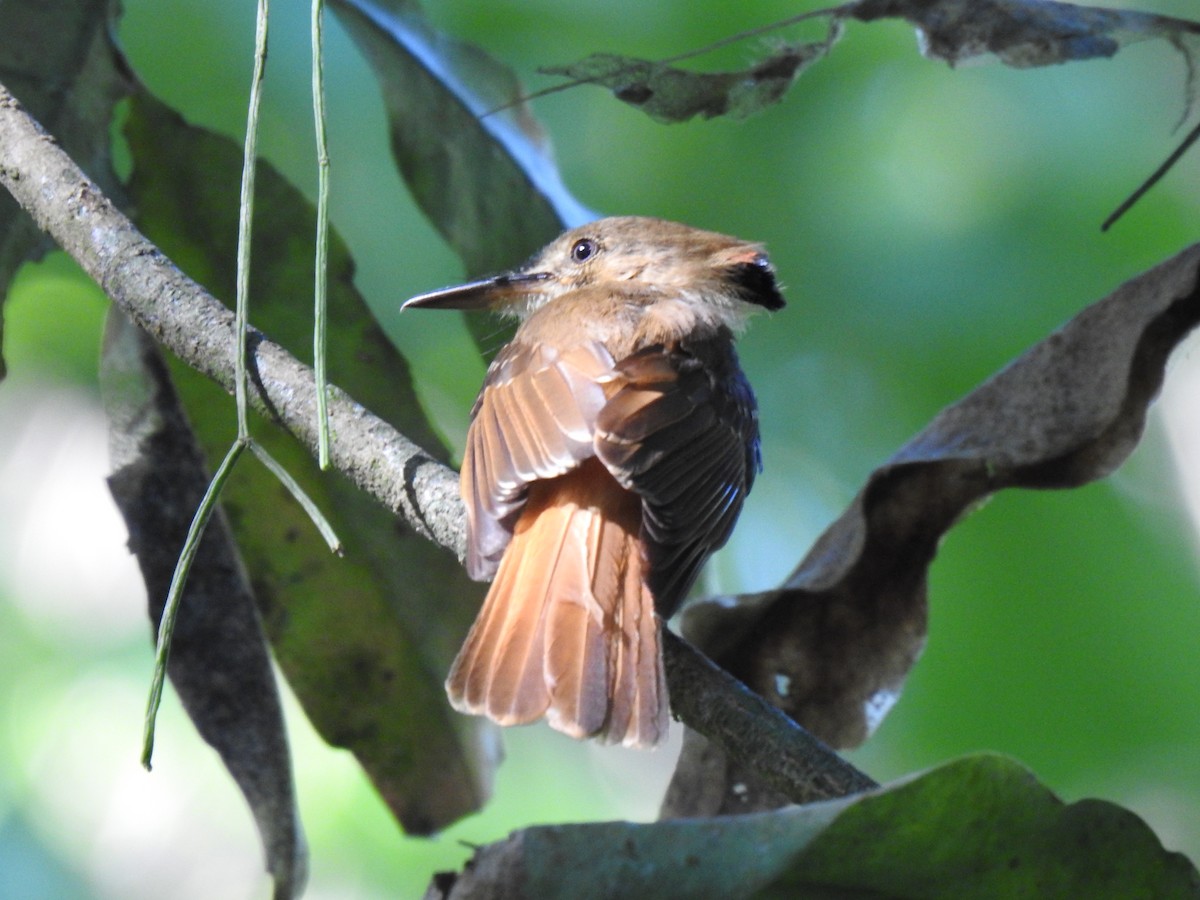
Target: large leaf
x=980 y=827
x=833 y=645
x=219 y=662
x=365 y=641
x=59 y=61
x=487 y=182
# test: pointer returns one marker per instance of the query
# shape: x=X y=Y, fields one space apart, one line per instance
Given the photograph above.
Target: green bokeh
x=52 y=321
x=929 y=224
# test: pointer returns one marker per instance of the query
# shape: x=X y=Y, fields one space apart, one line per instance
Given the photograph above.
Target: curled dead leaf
x=833 y=645
x=1025 y=33
x=670 y=94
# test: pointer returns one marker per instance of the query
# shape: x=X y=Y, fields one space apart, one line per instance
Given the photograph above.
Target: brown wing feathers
x=568 y=628
x=615 y=482
x=585 y=628
x=532 y=420
x=553 y=637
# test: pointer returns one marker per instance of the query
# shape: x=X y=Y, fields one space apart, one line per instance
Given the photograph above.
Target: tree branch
x=752 y=731
x=199 y=329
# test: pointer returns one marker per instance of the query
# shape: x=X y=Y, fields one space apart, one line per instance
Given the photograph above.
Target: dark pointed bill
x=476 y=294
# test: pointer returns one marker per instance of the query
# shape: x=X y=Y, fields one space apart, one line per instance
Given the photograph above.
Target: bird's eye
x=583 y=250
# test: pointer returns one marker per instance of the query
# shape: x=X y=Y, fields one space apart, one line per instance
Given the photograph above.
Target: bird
x=609 y=453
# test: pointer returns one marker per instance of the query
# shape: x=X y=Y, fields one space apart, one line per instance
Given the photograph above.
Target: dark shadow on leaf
x=220 y=664
x=58 y=59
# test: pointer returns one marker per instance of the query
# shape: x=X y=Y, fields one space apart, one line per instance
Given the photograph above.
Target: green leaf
x=487 y=182
x=980 y=827
x=984 y=827
x=365 y=641
x=58 y=59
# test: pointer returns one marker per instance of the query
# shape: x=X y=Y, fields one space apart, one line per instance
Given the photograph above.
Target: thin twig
x=166 y=628
x=1153 y=179
x=305 y=501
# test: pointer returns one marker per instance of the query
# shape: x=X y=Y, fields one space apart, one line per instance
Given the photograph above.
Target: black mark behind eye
x=756 y=283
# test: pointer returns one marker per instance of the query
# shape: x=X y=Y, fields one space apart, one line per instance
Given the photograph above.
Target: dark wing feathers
x=682 y=431
x=644 y=412
x=694 y=457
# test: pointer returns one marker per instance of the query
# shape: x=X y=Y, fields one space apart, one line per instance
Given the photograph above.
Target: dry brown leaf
x=833 y=645
x=670 y=94
x=1023 y=33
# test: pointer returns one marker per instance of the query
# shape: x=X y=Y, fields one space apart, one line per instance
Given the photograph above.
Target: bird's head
x=631 y=253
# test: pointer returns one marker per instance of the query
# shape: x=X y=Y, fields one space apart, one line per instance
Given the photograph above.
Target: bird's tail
x=568 y=630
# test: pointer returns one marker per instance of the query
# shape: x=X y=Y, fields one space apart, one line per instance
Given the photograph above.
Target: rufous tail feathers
x=568 y=630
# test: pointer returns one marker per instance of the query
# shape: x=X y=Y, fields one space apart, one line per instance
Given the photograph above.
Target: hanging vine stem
x=166 y=626
x=246 y=214
x=244 y=440
x=321 y=263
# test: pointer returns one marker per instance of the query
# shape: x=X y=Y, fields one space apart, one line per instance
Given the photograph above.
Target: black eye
x=583 y=250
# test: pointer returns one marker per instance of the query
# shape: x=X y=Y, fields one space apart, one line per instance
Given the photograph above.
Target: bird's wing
x=681 y=429
x=533 y=419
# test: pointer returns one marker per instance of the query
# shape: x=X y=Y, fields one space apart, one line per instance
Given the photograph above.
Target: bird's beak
x=478 y=294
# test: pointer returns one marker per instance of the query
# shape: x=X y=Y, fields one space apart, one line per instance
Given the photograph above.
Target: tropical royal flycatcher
x=609 y=454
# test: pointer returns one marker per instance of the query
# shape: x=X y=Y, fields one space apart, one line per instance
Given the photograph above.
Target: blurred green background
x=928 y=224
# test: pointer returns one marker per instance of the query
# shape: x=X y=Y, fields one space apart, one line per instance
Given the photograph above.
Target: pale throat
x=671 y=319
x=629 y=316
